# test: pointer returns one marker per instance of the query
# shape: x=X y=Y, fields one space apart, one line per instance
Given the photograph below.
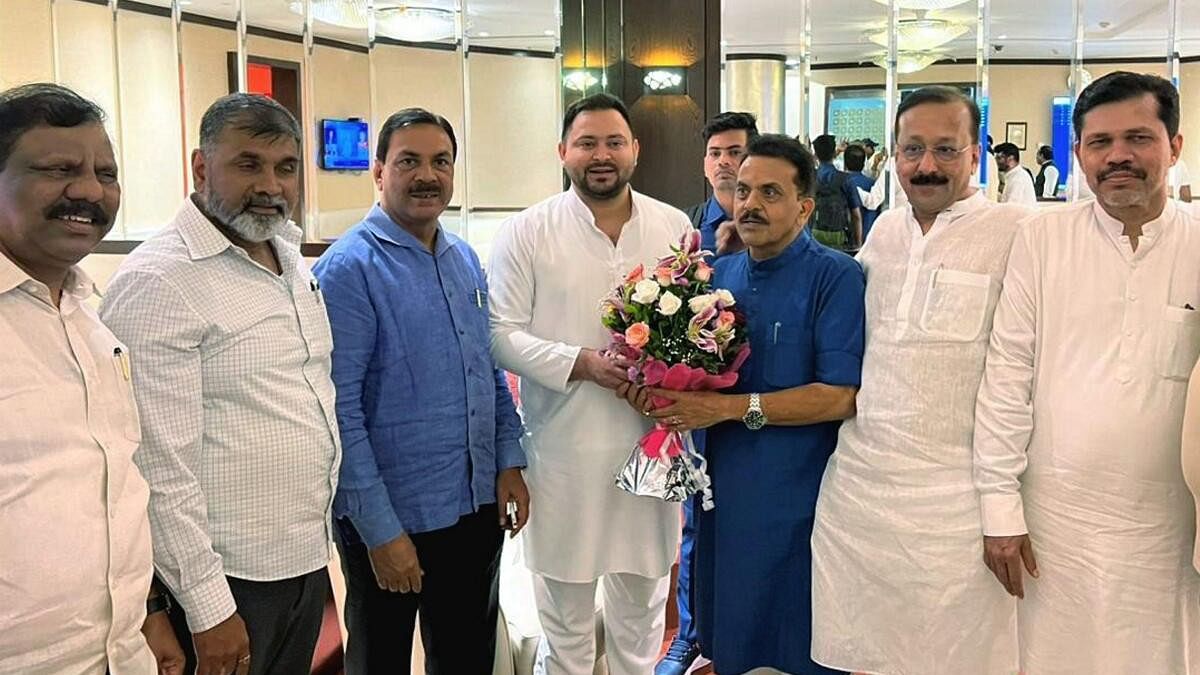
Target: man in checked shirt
x=231 y=365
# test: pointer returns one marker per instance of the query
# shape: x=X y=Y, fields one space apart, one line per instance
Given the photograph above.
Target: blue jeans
x=683 y=591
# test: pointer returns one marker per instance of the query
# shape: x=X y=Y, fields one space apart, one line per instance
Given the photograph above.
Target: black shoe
x=679 y=658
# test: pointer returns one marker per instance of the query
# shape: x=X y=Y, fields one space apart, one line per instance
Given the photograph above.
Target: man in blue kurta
x=771 y=436
x=725 y=139
x=430 y=435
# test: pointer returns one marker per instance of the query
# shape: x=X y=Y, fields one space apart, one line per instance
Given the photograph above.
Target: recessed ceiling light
x=549 y=32
x=793 y=62
x=484 y=33
x=1001 y=37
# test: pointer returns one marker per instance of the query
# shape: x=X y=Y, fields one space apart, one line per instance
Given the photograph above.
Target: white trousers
x=634 y=610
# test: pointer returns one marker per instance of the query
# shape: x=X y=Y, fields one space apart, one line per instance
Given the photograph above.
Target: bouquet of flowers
x=680 y=334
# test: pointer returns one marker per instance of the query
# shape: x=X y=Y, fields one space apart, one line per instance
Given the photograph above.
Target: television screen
x=345 y=145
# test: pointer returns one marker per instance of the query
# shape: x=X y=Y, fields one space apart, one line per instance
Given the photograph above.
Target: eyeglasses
x=941 y=153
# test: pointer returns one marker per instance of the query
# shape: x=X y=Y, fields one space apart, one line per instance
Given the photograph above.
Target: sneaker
x=679 y=658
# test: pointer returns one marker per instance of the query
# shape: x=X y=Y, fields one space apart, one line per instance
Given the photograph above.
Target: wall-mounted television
x=345 y=145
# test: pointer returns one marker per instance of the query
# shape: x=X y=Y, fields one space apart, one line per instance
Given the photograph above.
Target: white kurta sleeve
x=511 y=282
x=1004 y=408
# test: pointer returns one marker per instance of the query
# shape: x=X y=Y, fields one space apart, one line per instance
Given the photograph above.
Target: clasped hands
x=679 y=410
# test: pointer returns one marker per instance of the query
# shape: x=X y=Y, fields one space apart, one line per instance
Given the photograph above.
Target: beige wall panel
x=514 y=134
x=152 y=174
x=26 y=49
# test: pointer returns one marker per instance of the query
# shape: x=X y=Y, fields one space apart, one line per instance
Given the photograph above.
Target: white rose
x=702 y=302
x=669 y=303
x=725 y=297
x=645 y=292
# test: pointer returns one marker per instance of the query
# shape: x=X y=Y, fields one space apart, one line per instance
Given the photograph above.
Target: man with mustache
x=768 y=439
x=1080 y=413
x=725 y=139
x=431 y=437
x=76 y=562
x=231 y=363
x=550 y=265
x=898 y=586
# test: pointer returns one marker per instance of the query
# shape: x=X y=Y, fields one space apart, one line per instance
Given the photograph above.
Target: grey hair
x=255 y=114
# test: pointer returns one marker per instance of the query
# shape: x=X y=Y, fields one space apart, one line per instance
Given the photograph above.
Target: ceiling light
x=411 y=23
x=921 y=5
x=909 y=62
x=920 y=34
x=549 y=32
x=1001 y=37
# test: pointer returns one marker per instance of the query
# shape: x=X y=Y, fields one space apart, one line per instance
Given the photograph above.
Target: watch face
x=754 y=420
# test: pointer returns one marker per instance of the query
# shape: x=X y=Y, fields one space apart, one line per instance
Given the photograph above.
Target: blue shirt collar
x=799 y=246
x=713 y=213
x=382 y=226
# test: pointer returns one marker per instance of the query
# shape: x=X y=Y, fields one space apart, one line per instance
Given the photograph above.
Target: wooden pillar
x=619 y=41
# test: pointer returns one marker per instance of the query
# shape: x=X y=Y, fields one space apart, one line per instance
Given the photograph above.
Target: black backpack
x=831 y=213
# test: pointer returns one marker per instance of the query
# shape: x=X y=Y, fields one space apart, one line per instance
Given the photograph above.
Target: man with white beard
x=1080 y=414
x=230 y=350
x=899 y=585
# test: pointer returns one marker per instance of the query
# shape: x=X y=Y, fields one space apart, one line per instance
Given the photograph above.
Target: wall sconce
x=583 y=79
x=665 y=81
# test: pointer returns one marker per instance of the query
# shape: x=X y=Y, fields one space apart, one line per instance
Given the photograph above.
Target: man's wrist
x=736 y=407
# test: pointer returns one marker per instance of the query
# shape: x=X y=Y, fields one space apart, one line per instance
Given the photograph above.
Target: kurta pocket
x=1178 y=343
x=956 y=305
x=784 y=367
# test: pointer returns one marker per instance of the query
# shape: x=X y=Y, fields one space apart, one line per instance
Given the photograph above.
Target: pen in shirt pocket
x=122 y=360
x=480 y=296
x=1189 y=306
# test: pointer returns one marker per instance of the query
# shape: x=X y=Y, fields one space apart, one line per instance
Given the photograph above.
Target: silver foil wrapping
x=671 y=479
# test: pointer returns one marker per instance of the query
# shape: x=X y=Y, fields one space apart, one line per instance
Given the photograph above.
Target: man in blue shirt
x=855 y=157
x=837 y=219
x=430 y=436
x=771 y=435
x=725 y=139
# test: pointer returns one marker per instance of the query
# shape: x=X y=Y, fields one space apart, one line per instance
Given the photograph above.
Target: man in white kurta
x=550 y=267
x=1079 y=416
x=899 y=585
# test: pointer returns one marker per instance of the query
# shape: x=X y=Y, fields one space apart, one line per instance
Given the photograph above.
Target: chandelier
x=411 y=23
x=909 y=62
x=922 y=5
x=919 y=34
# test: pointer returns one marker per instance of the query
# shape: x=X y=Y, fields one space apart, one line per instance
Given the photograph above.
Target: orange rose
x=725 y=320
x=664 y=276
x=703 y=272
x=637 y=335
x=636 y=275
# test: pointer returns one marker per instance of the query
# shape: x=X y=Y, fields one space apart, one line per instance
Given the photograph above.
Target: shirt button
x=1129 y=333
x=472 y=413
x=461 y=332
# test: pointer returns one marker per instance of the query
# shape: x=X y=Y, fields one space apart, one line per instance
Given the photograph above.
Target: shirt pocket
x=117 y=376
x=314 y=322
x=783 y=367
x=956 y=305
x=1178 y=343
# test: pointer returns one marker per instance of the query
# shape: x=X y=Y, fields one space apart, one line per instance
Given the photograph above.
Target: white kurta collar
x=955 y=212
x=1115 y=229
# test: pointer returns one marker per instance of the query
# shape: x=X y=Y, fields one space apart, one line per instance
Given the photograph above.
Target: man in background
x=76 y=561
x=837 y=220
x=231 y=366
x=1045 y=184
x=1018 y=183
x=856 y=158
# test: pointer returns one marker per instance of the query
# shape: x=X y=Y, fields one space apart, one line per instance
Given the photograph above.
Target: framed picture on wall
x=1014 y=132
